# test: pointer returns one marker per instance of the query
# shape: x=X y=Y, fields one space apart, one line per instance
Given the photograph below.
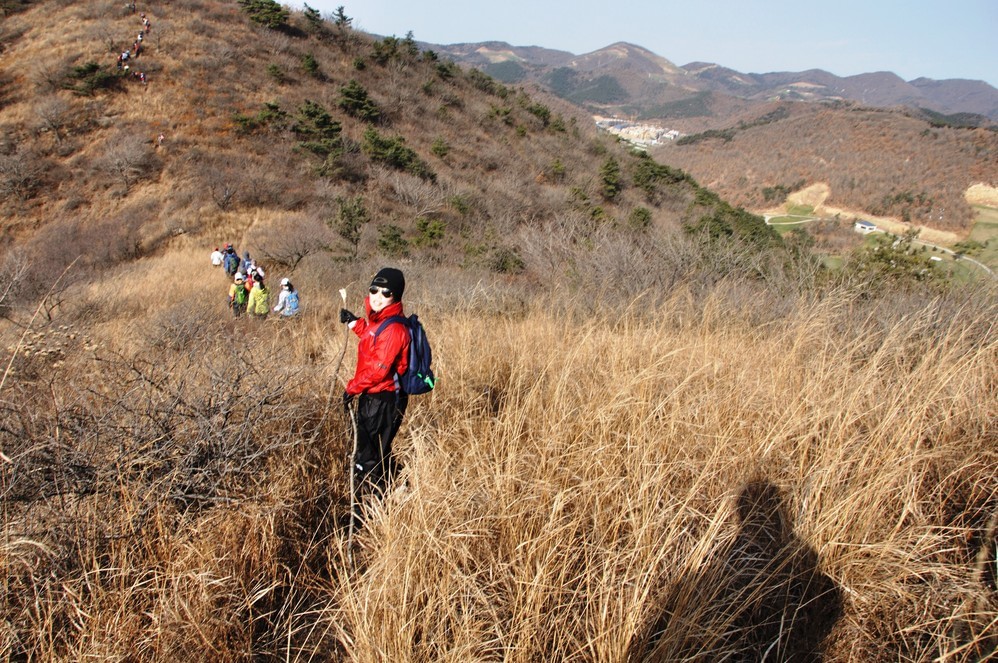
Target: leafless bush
x=48 y=76
x=53 y=112
x=220 y=56
x=201 y=7
x=178 y=443
x=401 y=99
x=259 y=185
x=91 y=11
x=108 y=35
x=292 y=239
x=201 y=28
x=222 y=183
x=185 y=327
x=89 y=245
x=13 y=271
x=275 y=43
x=419 y=196
x=20 y=175
x=128 y=156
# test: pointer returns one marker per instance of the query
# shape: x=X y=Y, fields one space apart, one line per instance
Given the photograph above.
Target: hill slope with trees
x=304 y=138
x=884 y=162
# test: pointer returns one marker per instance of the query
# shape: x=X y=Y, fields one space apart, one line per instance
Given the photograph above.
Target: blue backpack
x=418 y=379
x=292 y=303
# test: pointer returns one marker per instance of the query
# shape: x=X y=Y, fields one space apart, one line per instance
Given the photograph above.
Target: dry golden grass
x=673 y=482
x=714 y=468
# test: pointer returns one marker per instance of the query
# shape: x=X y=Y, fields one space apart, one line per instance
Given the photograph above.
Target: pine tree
x=609 y=174
x=313 y=19
x=266 y=12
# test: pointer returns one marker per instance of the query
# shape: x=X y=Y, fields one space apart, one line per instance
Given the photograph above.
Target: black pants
x=379 y=417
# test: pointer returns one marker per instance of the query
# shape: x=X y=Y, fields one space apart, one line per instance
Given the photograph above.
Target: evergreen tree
x=609 y=174
x=266 y=12
x=351 y=217
x=340 y=19
x=317 y=131
x=313 y=19
x=354 y=100
x=311 y=66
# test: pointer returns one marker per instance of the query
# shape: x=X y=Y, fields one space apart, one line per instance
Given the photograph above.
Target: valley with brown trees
x=884 y=162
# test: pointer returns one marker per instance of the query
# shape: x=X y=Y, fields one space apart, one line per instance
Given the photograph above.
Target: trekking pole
x=346 y=335
x=325 y=413
x=353 y=486
x=336 y=373
x=353 y=452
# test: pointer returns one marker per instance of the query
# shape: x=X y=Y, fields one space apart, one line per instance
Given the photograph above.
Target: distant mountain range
x=626 y=79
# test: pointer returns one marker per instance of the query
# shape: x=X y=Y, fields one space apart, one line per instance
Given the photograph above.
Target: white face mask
x=378 y=300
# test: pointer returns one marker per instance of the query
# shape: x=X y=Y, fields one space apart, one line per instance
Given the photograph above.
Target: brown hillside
x=884 y=162
x=86 y=169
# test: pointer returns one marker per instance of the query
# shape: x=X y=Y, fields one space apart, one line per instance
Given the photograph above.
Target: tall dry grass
x=675 y=481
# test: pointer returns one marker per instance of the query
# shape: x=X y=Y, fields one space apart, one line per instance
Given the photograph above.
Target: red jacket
x=378 y=360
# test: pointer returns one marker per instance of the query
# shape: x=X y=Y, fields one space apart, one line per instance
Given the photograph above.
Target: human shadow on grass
x=761 y=597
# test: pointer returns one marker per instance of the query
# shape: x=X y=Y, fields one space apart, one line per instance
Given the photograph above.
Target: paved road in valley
x=808 y=219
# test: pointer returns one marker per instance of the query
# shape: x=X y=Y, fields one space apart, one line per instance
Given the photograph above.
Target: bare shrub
x=20 y=175
x=289 y=239
x=13 y=271
x=275 y=42
x=422 y=198
x=49 y=76
x=53 y=113
x=259 y=185
x=201 y=28
x=220 y=56
x=222 y=183
x=196 y=461
x=108 y=35
x=128 y=157
x=184 y=327
x=88 y=245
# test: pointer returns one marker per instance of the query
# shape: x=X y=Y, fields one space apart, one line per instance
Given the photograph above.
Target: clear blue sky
x=912 y=38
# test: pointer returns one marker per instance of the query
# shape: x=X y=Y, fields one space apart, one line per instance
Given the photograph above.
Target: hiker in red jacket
x=381 y=355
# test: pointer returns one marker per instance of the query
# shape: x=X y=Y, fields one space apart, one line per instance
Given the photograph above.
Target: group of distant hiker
x=393 y=361
x=248 y=292
x=130 y=54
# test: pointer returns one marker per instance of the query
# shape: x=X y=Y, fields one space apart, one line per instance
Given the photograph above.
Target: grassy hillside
x=660 y=431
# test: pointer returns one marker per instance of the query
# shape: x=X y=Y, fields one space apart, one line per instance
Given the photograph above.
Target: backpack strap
x=384 y=325
x=377 y=332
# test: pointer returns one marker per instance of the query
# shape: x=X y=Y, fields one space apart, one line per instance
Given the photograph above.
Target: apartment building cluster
x=640 y=135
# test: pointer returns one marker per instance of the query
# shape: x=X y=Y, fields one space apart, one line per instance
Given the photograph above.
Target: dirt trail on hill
x=815 y=196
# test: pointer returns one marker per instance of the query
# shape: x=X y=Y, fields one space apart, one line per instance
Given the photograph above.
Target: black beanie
x=392 y=279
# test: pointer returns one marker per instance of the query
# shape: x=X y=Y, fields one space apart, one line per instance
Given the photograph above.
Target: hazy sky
x=912 y=38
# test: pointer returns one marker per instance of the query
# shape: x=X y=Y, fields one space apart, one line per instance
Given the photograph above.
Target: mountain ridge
x=624 y=62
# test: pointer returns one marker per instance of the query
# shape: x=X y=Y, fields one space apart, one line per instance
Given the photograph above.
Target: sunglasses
x=384 y=291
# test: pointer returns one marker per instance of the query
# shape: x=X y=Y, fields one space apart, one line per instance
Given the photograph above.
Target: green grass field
x=796 y=214
x=800 y=210
x=985 y=231
x=784 y=224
